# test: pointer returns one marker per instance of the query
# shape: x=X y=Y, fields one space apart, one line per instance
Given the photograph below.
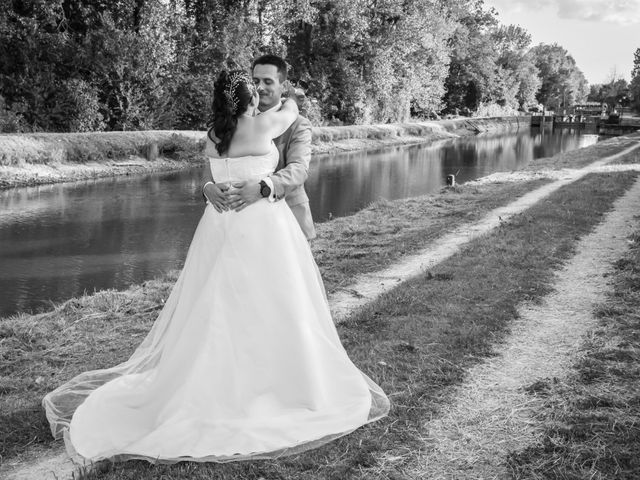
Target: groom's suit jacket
x=294 y=147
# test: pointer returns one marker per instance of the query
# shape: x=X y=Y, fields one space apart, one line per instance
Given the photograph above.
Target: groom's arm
x=297 y=158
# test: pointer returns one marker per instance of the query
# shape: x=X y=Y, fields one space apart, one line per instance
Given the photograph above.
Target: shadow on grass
x=22 y=428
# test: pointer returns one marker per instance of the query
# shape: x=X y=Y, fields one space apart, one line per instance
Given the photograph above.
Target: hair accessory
x=230 y=92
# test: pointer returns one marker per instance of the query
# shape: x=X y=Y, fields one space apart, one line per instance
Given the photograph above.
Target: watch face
x=265 y=191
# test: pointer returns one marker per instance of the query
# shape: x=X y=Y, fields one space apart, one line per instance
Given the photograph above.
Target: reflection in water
x=343 y=184
x=58 y=241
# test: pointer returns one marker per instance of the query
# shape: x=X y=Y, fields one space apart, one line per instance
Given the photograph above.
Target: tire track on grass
x=491 y=414
x=369 y=286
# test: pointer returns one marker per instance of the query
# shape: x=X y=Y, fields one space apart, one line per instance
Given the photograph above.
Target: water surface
x=58 y=241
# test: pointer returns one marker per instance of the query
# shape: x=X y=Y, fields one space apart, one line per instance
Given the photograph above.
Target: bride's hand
x=294 y=93
x=216 y=194
x=289 y=91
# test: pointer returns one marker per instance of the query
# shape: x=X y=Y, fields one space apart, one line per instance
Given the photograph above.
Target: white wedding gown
x=243 y=362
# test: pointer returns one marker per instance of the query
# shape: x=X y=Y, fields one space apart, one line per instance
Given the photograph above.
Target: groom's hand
x=243 y=194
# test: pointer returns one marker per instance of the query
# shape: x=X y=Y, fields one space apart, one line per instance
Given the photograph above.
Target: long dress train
x=243 y=362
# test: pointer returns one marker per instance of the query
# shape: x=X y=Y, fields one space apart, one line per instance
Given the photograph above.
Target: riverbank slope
x=41 y=158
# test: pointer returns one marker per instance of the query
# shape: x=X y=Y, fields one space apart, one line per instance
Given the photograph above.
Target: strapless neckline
x=272 y=149
x=246 y=167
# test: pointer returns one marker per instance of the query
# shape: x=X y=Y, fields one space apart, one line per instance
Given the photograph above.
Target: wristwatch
x=265 y=190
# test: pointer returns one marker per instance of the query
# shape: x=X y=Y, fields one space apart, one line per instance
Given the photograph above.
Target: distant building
x=590 y=109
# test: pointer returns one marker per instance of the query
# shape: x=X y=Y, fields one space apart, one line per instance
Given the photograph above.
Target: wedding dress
x=243 y=362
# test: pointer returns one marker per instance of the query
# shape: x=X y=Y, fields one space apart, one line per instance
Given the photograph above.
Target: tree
x=82 y=65
x=369 y=62
x=563 y=84
x=517 y=73
x=634 y=86
x=72 y=65
x=472 y=70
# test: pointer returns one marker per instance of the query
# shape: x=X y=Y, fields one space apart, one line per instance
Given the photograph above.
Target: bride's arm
x=276 y=123
x=213 y=192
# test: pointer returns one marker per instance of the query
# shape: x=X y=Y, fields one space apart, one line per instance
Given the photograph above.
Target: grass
x=42 y=158
x=591 y=422
x=417 y=341
x=81 y=148
x=577 y=158
x=417 y=129
x=379 y=235
x=633 y=157
x=358 y=137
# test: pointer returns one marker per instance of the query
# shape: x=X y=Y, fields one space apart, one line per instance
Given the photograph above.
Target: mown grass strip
x=381 y=234
x=592 y=420
x=418 y=340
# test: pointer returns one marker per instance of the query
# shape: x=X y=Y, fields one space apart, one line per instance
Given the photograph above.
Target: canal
x=59 y=241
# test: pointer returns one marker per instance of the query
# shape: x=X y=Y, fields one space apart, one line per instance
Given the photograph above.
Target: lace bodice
x=248 y=167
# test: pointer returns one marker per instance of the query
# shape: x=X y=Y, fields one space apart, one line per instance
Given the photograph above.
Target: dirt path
x=54 y=464
x=492 y=414
x=369 y=286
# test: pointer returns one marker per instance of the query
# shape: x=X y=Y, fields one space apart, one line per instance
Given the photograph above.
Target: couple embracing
x=243 y=361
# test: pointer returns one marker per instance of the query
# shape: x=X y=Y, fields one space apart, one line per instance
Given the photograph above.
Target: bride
x=244 y=360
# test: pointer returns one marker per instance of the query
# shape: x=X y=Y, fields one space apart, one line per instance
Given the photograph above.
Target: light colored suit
x=294 y=146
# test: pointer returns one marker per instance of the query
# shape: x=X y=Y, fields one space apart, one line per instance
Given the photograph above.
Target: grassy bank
x=417 y=340
x=39 y=158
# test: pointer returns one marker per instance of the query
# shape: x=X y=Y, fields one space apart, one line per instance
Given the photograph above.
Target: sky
x=601 y=35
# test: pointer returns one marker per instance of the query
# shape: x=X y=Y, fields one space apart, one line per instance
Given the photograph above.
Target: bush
x=11 y=118
x=494 y=110
x=191 y=97
x=83 y=107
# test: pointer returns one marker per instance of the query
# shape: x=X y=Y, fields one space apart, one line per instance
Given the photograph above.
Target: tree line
x=617 y=93
x=93 y=65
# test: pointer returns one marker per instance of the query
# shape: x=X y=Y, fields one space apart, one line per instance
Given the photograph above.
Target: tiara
x=230 y=92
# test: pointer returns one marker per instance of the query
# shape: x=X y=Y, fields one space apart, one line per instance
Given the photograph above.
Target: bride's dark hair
x=232 y=93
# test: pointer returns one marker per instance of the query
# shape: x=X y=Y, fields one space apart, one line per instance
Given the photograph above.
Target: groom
x=294 y=146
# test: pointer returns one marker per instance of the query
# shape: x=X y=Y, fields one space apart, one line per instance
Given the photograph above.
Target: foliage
x=472 y=71
x=517 y=72
x=83 y=65
x=494 y=110
x=12 y=118
x=563 y=84
x=614 y=94
x=634 y=86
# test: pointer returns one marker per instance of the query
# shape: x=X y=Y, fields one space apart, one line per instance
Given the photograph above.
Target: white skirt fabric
x=243 y=362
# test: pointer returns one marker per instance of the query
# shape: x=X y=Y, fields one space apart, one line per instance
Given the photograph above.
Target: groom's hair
x=274 y=60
